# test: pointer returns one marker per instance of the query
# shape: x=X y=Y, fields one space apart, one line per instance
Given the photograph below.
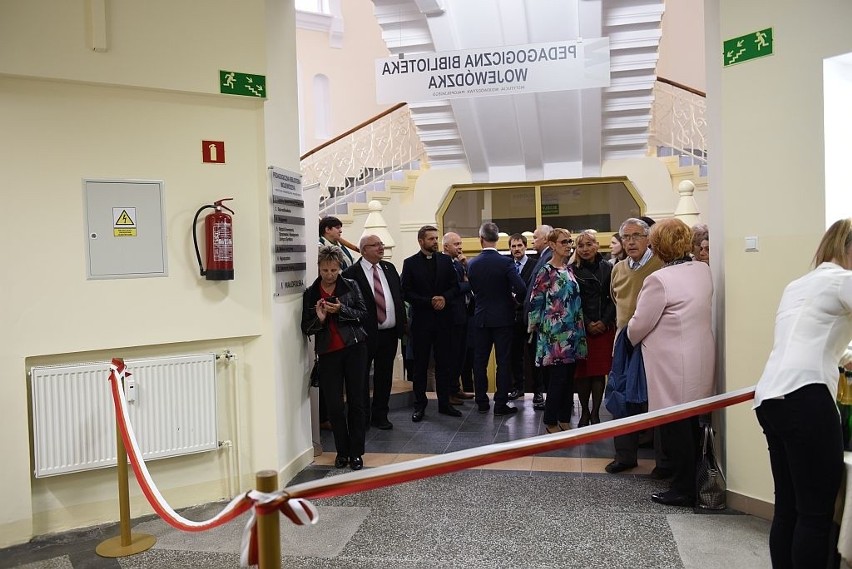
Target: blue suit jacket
x=494 y=280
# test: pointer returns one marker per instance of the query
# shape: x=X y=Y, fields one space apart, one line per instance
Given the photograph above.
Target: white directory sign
x=288 y=231
x=531 y=68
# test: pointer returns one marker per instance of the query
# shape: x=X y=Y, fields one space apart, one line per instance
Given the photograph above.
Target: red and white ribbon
x=298 y=510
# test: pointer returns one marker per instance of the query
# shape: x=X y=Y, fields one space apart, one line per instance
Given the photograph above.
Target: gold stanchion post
x=126 y=543
x=268 y=526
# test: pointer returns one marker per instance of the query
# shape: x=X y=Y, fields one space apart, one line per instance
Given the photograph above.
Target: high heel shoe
x=595 y=418
x=584 y=421
x=550 y=429
x=564 y=425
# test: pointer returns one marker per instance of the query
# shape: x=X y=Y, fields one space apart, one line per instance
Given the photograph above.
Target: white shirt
x=813 y=327
x=390 y=312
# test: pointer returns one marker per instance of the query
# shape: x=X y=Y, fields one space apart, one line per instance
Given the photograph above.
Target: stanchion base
x=112 y=547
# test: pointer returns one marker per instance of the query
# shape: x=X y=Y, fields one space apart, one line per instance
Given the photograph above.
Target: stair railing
x=679 y=119
x=370 y=151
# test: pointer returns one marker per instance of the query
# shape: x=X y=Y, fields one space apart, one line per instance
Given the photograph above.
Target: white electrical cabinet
x=125 y=233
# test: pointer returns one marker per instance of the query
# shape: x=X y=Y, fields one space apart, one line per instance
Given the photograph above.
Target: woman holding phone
x=332 y=310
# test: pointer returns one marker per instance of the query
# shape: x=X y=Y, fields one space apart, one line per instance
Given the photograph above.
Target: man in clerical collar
x=430 y=285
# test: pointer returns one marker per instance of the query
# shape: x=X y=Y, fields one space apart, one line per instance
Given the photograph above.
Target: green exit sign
x=750 y=46
x=550 y=209
x=233 y=83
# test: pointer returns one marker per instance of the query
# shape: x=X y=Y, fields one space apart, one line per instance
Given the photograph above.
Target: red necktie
x=381 y=309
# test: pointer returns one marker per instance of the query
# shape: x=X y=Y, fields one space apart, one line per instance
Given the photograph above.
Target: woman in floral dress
x=557 y=317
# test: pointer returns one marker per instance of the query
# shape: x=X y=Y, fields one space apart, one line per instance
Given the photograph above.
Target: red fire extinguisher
x=219 y=239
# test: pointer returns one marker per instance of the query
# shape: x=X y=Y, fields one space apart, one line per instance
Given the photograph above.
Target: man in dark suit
x=462 y=310
x=544 y=255
x=524 y=266
x=495 y=284
x=385 y=323
x=429 y=285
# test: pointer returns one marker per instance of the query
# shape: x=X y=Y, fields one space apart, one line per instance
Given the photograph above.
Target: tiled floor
x=438 y=434
x=557 y=509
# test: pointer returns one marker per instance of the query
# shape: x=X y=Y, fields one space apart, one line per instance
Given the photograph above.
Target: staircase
x=544 y=135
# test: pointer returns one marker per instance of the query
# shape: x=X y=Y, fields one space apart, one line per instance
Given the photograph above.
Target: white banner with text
x=532 y=68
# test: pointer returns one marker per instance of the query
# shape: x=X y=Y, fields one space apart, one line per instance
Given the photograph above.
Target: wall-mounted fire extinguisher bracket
x=219 y=242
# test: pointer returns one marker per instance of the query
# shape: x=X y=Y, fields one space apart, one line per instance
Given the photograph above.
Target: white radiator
x=173 y=411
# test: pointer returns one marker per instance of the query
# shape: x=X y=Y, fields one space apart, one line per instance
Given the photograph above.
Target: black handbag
x=315 y=373
x=710 y=485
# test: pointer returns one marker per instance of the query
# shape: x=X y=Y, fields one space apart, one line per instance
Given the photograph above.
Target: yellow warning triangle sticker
x=124 y=219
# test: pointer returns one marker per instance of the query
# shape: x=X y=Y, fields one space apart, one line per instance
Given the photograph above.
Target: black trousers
x=339 y=371
x=519 y=344
x=560 y=393
x=680 y=439
x=627 y=446
x=459 y=340
x=380 y=354
x=806 y=455
x=427 y=342
x=500 y=338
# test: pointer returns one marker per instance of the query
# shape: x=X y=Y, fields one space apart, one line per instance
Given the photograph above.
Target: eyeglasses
x=566 y=242
x=634 y=237
x=375 y=245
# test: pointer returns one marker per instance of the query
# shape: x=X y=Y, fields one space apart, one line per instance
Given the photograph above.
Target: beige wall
x=137 y=111
x=767 y=174
x=350 y=69
x=682 y=44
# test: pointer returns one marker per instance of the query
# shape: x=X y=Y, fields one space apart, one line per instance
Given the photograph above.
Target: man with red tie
x=385 y=324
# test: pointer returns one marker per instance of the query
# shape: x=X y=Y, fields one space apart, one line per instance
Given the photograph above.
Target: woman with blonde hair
x=673 y=323
x=557 y=317
x=795 y=402
x=593 y=275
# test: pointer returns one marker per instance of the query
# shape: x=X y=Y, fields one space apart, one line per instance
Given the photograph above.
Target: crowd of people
x=550 y=320
x=556 y=323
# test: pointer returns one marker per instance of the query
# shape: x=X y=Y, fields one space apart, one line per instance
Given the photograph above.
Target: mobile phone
x=331 y=299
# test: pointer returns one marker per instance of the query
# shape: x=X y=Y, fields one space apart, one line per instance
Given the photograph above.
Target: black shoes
x=382 y=424
x=515 y=394
x=451 y=411
x=356 y=463
x=584 y=421
x=505 y=410
x=661 y=473
x=673 y=498
x=341 y=461
x=417 y=416
x=538 y=402
x=615 y=467
x=483 y=408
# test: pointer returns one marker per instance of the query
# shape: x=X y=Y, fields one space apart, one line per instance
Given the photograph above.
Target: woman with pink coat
x=673 y=323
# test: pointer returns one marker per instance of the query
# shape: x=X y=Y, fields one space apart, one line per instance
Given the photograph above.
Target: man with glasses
x=385 y=324
x=625 y=284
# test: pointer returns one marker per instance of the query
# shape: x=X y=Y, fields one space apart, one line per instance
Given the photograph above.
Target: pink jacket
x=673 y=323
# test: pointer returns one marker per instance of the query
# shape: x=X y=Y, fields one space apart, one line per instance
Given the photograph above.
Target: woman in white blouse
x=795 y=402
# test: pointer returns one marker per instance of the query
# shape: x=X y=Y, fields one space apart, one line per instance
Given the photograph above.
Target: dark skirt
x=599 y=360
